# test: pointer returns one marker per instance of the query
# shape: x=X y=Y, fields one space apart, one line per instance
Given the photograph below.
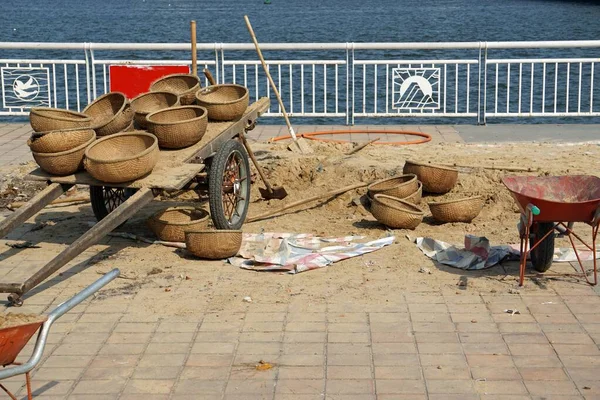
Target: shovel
x=299 y=145
x=270 y=192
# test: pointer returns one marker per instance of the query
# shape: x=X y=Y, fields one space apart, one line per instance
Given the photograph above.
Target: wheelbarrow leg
x=122 y=213
x=32 y=207
x=12 y=396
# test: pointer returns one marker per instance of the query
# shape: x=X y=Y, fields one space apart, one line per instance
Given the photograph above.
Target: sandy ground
x=178 y=284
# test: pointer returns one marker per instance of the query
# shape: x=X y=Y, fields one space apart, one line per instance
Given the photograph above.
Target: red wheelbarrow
x=552 y=204
x=13 y=339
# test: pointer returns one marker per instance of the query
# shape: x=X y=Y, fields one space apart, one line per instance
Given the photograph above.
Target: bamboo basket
x=226 y=102
x=459 y=210
x=435 y=178
x=183 y=85
x=213 y=245
x=150 y=102
x=65 y=162
x=178 y=127
x=60 y=140
x=110 y=113
x=396 y=213
x=398 y=186
x=171 y=223
x=122 y=157
x=51 y=119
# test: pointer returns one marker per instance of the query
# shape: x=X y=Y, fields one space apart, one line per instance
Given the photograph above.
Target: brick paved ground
x=432 y=344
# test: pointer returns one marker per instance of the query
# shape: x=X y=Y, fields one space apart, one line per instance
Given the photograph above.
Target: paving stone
x=115 y=372
x=158 y=372
x=168 y=348
x=110 y=386
x=495 y=373
x=349 y=359
x=450 y=386
x=348 y=372
x=398 y=372
x=209 y=360
x=165 y=360
x=342 y=337
x=436 y=337
x=537 y=361
x=543 y=374
x=440 y=348
x=400 y=386
x=511 y=387
x=438 y=372
x=544 y=388
x=149 y=386
x=220 y=348
x=300 y=386
x=287 y=372
x=348 y=348
x=253 y=387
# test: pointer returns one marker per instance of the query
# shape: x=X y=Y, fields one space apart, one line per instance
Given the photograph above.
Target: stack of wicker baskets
x=394 y=201
x=59 y=140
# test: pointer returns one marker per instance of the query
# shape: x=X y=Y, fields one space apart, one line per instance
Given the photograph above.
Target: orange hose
x=311 y=136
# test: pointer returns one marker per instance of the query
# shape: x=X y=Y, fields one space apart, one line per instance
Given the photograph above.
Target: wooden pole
x=273 y=86
x=194 y=53
x=362 y=146
x=304 y=201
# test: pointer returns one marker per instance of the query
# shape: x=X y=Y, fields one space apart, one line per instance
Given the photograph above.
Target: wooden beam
x=119 y=215
x=32 y=207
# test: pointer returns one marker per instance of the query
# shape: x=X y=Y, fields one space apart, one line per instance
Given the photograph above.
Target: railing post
x=353 y=83
x=479 y=86
x=86 y=47
x=93 y=66
x=347 y=84
x=485 y=84
x=217 y=63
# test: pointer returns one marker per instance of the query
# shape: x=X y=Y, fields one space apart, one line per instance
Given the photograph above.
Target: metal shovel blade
x=277 y=192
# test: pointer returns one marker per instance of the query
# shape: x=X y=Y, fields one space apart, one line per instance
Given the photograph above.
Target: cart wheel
x=541 y=256
x=105 y=199
x=15 y=300
x=229 y=186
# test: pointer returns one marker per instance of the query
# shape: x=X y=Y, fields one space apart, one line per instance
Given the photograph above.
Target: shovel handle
x=194 y=52
x=273 y=86
x=255 y=162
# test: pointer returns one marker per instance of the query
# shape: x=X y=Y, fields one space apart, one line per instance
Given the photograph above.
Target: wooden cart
x=218 y=163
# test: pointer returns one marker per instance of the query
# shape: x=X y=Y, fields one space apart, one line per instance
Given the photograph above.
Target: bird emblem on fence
x=25 y=90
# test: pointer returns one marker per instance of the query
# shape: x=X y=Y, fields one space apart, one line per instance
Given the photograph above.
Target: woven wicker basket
x=65 y=162
x=183 y=85
x=213 y=245
x=398 y=186
x=223 y=102
x=51 y=119
x=171 y=223
x=459 y=210
x=396 y=213
x=415 y=198
x=122 y=157
x=110 y=113
x=435 y=178
x=150 y=102
x=178 y=127
x=61 y=140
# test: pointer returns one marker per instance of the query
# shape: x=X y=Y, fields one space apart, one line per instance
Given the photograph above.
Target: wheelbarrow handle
x=52 y=317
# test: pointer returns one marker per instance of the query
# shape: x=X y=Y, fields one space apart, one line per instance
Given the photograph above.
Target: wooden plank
x=119 y=215
x=165 y=177
x=173 y=170
x=32 y=207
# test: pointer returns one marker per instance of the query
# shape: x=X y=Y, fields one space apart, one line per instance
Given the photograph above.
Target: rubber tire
x=541 y=256
x=215 y=185
x=98 y=204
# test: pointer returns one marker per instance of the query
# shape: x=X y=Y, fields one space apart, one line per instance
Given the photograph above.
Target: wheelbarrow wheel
x=106 y=199
x=229 y=186
x=541 y=256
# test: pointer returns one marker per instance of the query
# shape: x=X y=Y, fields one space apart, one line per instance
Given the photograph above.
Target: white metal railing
x=474 y=80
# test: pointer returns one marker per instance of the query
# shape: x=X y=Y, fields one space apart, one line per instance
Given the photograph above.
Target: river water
x=308 y=21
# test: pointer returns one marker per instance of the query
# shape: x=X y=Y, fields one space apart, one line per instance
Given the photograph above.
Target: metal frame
x=563 y=227
x=348 y=81
x=118 y=216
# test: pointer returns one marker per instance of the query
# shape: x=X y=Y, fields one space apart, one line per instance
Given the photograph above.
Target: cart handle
x=52 y=317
